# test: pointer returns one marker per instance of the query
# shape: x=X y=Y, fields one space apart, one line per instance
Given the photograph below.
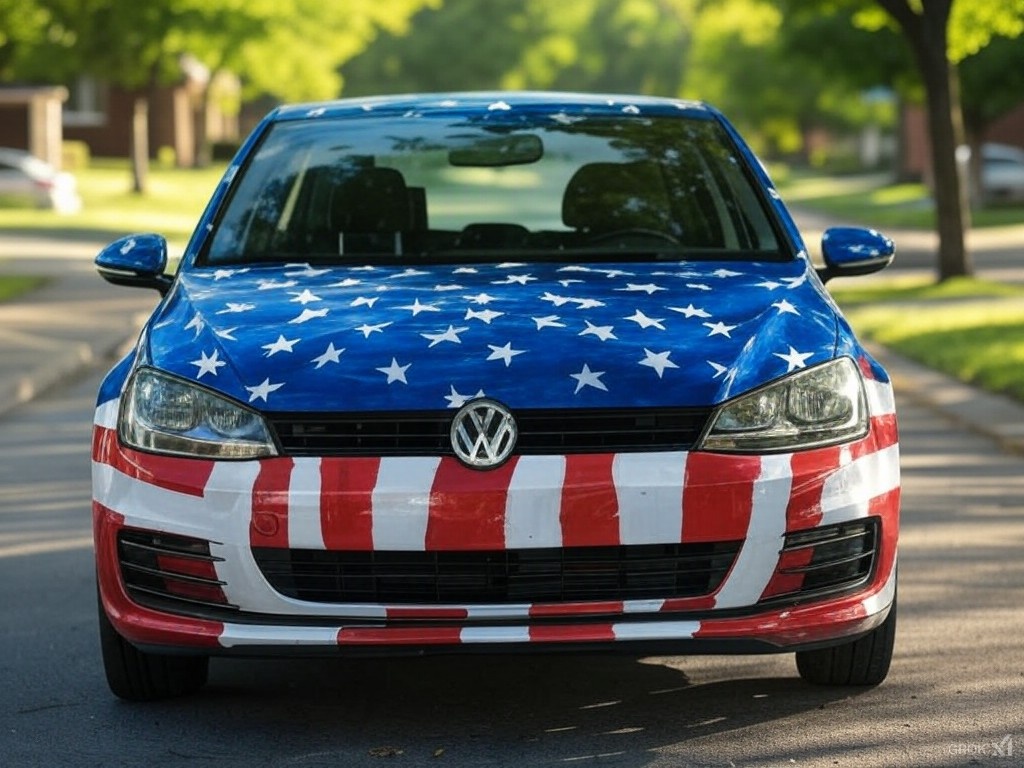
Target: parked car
x=490 y=372
x=1002 y=173
x=27 y=180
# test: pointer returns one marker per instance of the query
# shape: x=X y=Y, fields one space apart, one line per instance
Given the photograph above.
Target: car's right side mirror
x=850 y=251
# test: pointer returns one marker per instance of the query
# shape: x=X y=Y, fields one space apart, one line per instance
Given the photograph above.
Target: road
x=953 y=696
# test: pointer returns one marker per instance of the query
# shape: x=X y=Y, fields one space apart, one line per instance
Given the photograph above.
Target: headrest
x=373 y=200
x=608 y=196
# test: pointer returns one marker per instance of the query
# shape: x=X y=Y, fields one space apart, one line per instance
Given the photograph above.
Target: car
x=494 y=372
x=1002 y=173
x=27 y=180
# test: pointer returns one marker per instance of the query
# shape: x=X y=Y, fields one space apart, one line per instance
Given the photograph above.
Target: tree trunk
x=927 y=33
x=140 y=142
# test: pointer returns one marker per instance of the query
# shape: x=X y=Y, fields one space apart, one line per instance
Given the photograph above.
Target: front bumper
x=432 y=504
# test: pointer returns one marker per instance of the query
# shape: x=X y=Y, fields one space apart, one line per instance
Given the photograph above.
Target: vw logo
x=483 y=434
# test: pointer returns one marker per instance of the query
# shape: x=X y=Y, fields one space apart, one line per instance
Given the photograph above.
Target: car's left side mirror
x=138 y=261
x=850 y=251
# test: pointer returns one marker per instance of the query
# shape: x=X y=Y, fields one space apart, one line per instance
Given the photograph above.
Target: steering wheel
x=633 y=234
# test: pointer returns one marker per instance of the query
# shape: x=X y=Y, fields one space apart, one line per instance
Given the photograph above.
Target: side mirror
x=137 y=261
x=850 y=251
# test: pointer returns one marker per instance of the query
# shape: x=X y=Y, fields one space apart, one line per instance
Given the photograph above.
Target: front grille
x=169 y=572
x=826 y=560
x=426 y=433
x=572 y=574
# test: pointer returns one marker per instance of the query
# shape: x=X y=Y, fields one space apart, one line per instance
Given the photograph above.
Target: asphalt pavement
x=78 y=322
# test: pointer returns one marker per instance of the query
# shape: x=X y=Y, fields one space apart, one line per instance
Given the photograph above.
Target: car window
x=407 y=189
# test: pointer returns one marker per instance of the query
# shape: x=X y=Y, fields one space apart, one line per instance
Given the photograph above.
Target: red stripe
x=269 y=526
x=399 y=636
x=467 y=507
x=810 y=470
x=705 y=602
x=576 y=609
x=590 y=506
x=346 y=502
x=172 y=473
x=577 y=633
x=718 y=494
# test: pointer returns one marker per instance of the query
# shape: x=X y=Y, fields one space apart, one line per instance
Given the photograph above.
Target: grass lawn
x=171 y=207
x=871 y=199
x=970 y=329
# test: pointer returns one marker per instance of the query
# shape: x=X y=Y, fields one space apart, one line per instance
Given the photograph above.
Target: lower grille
x=167 y=572
x=426 y=433
x=573 y=574
x=826 y=560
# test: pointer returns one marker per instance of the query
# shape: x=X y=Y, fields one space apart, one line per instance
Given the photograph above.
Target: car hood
x=300 y=338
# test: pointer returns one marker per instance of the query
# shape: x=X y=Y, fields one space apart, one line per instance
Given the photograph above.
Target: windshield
x=441 y=188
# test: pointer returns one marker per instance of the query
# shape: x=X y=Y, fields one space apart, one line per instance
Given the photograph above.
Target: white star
x=208 y=364
x=226 y=333
x=567 y=283
x=505 y=353
x=699 y=286
x=658 y=361
x=603 y=332
x=588 y=303
x=266 y=285
x=281 y=345
x=305 y=297
x=416 y=307
x=647 y=288
x=455 y=400
x=644 y=321
x=719 y=329
x=197 y=323
x=348 y=282
x=308 y=314
x=551 y=321
x=771 y=285
x=719 y=369
x=368 y=329
x=452 y=334
x=555 y=299
x=514 y=279
x=616 y=273
x=480 y=298
x=726 y=273
x=452 y=287
x=486 y=315
x=233 y=308
x=330 y=355
x=361 y=300
x=691 y=311
x=260 y=391
x=465 y=271
x=221 y=274
x=307 y=271
x=588 y=378
x=795 y=282
x=410 y=272
x=395 y=372
x=784 y=307
x=795 y=359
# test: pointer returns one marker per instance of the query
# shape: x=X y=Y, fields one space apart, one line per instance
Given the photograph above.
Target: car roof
x=498 y=101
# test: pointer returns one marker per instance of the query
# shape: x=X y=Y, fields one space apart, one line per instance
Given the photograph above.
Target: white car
x=27 y=180
x=1002 y=173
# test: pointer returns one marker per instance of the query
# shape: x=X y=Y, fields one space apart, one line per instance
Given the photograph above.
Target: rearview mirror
x=850 y=251
x=137 y=261
x=494 y=151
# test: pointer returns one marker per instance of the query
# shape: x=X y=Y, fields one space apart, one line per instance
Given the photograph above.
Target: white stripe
x=516 y=611
x=649 y=487
x=847 y=492
x=881 y=400
x=106 y=414
x=759 y=554
x=642 y=606
x=304 y=528
x=401 y=502
x=533 y=505
x=235 y=635
x=494 y=635
x=655 y=630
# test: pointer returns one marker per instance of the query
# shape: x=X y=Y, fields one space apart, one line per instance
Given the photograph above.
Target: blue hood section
x=299 y=338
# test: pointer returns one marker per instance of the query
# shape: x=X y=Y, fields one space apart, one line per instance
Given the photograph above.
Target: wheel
x=135 y=675
x=861 y=662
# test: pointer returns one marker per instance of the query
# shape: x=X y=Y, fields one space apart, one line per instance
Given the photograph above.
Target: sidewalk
x=79 y=322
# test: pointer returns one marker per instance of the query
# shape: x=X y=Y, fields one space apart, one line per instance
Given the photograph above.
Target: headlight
x=165 y=414
x=813 y=408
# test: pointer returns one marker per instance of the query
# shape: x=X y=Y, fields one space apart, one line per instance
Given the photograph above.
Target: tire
x=862 y=662
x=135 y=675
